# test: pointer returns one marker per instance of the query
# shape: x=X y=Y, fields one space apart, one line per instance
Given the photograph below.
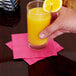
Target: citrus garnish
x=52 y=5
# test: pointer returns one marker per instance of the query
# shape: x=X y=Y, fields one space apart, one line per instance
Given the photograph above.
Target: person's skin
x=64 y=23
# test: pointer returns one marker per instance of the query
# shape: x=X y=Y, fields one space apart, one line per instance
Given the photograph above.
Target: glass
x=37 y=20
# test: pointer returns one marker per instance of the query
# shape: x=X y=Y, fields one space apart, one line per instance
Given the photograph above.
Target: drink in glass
x=37 y=20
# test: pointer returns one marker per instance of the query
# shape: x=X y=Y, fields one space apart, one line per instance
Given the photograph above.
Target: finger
x=56 y=34
x=50 y=29
x=47 y=31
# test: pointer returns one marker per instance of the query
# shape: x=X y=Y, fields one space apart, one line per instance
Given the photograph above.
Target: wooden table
x=63 y=64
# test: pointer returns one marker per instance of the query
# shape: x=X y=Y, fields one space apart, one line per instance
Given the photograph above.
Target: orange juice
x=37 y=20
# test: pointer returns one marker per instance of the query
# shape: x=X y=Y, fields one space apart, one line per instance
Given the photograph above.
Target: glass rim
x=35 y=13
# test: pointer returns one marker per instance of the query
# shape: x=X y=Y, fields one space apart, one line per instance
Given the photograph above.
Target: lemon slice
x=52 y=5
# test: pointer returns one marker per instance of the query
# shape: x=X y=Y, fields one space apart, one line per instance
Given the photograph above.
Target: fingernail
x=42 y=35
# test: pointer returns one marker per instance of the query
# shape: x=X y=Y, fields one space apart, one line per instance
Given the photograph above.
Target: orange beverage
x=37 y=20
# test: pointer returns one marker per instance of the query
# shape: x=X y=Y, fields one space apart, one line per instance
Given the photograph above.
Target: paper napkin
x=20 y=48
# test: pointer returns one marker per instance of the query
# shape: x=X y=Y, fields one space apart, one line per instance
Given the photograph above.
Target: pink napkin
x=19 y=45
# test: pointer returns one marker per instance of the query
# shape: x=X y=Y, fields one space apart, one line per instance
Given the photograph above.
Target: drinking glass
x=37 y=20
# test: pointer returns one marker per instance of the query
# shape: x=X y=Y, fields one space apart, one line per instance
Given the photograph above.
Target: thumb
x=50 y=29
x=56 y=34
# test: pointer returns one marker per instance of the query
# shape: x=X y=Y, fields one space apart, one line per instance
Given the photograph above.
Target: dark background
x=63 y=64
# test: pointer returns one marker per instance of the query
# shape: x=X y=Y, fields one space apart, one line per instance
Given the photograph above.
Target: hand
x=64 y=23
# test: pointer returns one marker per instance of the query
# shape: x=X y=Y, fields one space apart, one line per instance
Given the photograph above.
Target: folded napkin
x=19 y=45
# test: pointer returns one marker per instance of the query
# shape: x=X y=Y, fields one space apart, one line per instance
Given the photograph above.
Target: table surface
x=63 y=64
